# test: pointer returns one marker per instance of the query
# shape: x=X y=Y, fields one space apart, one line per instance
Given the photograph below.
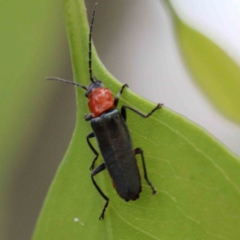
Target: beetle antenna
x=90 y=44
x=66 y=81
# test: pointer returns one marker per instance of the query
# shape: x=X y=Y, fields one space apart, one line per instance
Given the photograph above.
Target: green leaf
x=213 y=70
x=197 y=179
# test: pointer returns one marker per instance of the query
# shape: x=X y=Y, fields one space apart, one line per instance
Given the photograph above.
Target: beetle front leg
x=119 y=94
x=91 y=135
x=94 y=172
x=124 y=114
x=140 y=151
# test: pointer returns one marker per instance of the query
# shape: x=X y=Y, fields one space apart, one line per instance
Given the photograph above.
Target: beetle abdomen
x=115 y=145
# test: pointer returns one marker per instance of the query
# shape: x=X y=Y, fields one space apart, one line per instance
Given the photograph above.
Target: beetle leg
x=94 y=172
x=124 y=114
x=119 y=94
x=87 y=117
x=91 y=135
x=140 y=151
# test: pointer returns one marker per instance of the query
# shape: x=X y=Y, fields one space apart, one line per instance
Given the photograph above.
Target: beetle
x=112 y=135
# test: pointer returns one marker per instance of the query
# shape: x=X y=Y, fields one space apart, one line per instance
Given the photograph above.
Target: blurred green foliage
x=28 y=44
x=213 y=70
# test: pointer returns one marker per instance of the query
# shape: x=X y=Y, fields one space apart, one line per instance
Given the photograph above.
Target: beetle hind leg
x=140 y=151
x=94 y=172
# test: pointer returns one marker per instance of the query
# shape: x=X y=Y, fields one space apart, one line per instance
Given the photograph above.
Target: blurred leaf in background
x=213 y=70
x=31 y=46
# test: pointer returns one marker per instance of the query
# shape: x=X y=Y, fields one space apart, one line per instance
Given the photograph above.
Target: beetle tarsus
x=97 y=170
x=103 y=211
x=159 y=105
x=92 y=165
